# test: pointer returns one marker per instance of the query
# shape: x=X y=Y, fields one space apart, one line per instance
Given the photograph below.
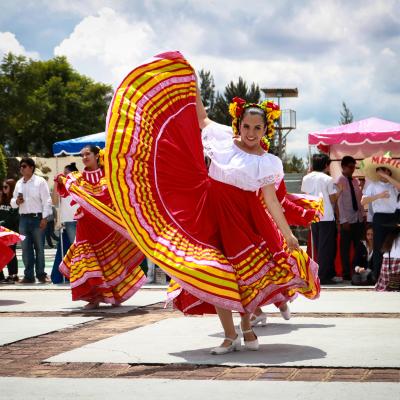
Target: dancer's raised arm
x=201 y=111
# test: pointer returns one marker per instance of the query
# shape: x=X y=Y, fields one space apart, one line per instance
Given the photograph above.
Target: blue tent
x=73 y=146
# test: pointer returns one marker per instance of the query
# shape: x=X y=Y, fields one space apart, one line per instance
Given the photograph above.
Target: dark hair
x=28 y=161
x=71 y=167
x=94 y=149
x=320 y=162
x=347 y=160
x=254 y=111
x=383 y=169
x=367 y=228
x=6 y=199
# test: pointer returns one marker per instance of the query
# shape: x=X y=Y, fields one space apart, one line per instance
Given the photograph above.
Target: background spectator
x=383 y=193
x=318 y=183
x=389 y=278
x=9 y=219
x=351 y=212
x=362 y=261
x=32 y=198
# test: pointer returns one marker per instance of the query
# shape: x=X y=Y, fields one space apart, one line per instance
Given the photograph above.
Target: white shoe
x=251 y=344
x=234 y=346
x=259 y=320
x=91 y=306
x=286 y=314
x=337 y=279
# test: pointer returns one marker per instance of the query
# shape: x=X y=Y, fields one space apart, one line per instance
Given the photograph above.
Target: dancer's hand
x=292 y=242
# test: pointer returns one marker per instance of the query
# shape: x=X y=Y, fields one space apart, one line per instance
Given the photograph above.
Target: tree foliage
x=293 y=164
x=3 y=165
x=207 y=89
x=346 y=117
x=42 y=102
x=220 y=111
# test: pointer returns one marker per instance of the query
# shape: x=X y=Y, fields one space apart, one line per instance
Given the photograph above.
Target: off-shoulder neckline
x=245 y=152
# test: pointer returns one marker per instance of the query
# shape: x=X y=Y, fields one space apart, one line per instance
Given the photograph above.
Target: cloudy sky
x=331 y=50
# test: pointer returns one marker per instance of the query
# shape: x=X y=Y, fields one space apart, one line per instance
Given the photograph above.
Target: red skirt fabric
x=7 y=238
x=216 y=241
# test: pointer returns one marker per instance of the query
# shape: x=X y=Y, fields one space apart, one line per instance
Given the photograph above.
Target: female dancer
x=209 y=232
x=101 y=264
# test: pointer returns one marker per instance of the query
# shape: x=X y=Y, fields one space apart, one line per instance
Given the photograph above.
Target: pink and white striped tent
x=359 y=139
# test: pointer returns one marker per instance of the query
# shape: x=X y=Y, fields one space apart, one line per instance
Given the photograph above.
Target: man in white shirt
x=319 y=183
x=32 y=198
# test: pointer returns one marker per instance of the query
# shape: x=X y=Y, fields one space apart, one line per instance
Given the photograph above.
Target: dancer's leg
x=246 y=326
x=225 y=316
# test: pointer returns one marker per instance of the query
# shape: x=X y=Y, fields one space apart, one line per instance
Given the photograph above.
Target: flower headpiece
x=271 y=110
x=101 y=156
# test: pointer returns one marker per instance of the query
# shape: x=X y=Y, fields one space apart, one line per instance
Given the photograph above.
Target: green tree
x=219 y=112
x=207 y=89
x=3 y=164
x=293 y=164
x=346 y=117
x=42 y=102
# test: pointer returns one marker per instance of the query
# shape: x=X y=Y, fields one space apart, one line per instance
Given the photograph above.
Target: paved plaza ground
x=344 y=345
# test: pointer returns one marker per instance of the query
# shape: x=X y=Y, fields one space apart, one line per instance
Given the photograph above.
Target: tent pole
x=309 y=170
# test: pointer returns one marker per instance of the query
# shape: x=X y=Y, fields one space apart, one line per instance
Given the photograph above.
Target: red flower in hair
x=272 y=105
x=240 y=103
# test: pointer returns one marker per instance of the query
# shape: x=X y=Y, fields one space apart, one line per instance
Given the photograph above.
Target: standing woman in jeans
x=9 y=219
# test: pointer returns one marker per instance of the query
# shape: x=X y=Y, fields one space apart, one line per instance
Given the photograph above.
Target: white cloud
x=297 y=140
x=107 y=46
x=332 y=51
x=9 y=43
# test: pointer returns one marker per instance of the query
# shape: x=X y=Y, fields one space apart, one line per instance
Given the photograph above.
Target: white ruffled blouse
x=232 y=165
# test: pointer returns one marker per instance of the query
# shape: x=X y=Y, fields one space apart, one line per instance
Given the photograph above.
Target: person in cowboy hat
x=383 y=194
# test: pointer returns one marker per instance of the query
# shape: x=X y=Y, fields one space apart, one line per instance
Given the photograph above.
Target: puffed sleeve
x=272 y=170
x=215 y=137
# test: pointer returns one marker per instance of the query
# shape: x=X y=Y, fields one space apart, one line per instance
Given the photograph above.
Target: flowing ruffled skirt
x=102 y=265
x=216 y=241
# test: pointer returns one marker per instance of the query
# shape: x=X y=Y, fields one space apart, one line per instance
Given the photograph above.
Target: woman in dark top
x=362 y=262
x=9 y=219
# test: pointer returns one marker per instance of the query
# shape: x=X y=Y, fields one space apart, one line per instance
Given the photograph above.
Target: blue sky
x=330 y=50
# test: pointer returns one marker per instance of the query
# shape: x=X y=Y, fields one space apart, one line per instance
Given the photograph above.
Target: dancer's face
x=252 y=129
x=89 y=159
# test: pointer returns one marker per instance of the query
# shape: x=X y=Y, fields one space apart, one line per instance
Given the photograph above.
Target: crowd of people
x=362 y=233
x=221 y=231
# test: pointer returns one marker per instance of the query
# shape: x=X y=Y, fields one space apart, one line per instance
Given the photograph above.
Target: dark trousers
x=380 y=232
x=349 y=237
x=324 y=238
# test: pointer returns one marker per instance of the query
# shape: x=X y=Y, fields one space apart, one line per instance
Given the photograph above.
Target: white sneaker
x=234 y=346
x=337 y=279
